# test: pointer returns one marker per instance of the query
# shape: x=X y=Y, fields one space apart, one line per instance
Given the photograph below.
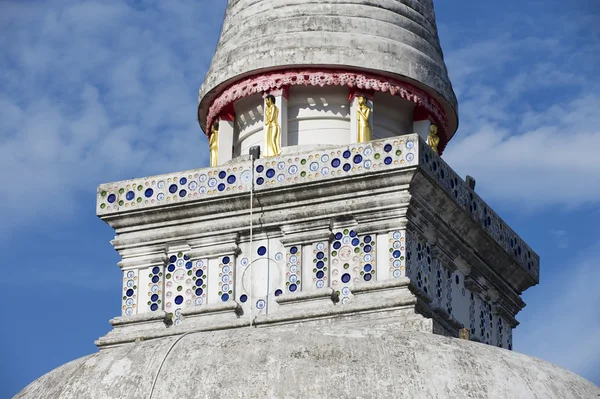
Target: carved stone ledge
x=211 y=314
x=473 y=285
x=499 y=310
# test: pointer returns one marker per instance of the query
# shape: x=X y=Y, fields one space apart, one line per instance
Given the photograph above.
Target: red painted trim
x=363 y=82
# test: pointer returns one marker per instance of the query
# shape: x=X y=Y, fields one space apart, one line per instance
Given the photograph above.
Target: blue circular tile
x=188 y=265
x=337 y=245
x=221 y=187
x=293 y=250
x=199 y=282
x=387 y=148
x=243 y=298
x=346 y=154
x=352 y=233
x=367 y=276
x=129 y=292
x=261 y=251
x=182 y=181
x=226 y=260
x=156 y=270
x=367 y=248
x=178 y=299
x=225 y=297
x=335 y=162
x=368 y=267
x=154 y=298
x=130 y=195
x=320 y=255
x=155 y=278
x=182 y=193
x=270 y=173
x=355 y=242
x=260 y=168
x=260 y=181
x=199 y=291
x=231 y=179
x=345 y=277
x=173 y=188
x=293 y=287
x=387 y=160
x=111 y=198
x=396 y=254
x=149 y=192
x=338 y=236
x=358 y=158
x=347 y=167
x=367 y=239
x=278 y=292
x=173 y=259
x=222 y=174
x=153 y=307
x=320 y=264
x=320 y=274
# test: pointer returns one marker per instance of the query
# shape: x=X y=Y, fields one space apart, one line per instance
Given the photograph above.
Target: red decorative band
x=278 y=81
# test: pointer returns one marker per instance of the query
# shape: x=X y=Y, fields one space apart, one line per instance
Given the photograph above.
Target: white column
x=422 y=128
x=354 y=118
x=225 y=141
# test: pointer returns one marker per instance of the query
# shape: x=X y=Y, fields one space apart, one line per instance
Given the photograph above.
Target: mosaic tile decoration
x=397 y=253
x=320 y=272
x=155 y=287
x=449 y=291
x=352 y=261
x=293 y=268
x=472 y=315
x=360 y=158
x=423 y=265
x=226 y=277
x=509 y=338
x=500 y=330
x=130 y=287
x=326 y=164
x=457 y=189
x=184 y=284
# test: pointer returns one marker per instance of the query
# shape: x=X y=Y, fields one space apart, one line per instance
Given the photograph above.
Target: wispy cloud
x=96 y=91
x=564 y=326
x=529 y=105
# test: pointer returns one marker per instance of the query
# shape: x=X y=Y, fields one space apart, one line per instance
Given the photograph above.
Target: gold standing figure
x=364 y=127
x=433 y=139
x=213 y=144
x=272 y=129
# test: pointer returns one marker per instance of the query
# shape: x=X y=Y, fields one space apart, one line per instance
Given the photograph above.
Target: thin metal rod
x=251 y=237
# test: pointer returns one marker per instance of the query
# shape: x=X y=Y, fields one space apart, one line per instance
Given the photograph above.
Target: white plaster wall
x=249 y=124
x=318 y=115
x=392 y=116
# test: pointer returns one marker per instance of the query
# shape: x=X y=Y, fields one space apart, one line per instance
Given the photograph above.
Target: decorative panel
x=130 y=294
x=293 y=268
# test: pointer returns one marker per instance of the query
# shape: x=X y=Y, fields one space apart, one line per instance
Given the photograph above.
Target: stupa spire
x=388 y=51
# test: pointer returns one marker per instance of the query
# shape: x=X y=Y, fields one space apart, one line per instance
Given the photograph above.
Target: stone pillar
x=421 y=122
x=353 y=117
x=226 y=134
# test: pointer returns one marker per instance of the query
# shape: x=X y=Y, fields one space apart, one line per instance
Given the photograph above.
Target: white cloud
x=97 y=91
x=530 y=125
x=561 y=322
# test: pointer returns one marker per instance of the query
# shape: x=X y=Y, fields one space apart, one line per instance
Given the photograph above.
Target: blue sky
x=99 y=91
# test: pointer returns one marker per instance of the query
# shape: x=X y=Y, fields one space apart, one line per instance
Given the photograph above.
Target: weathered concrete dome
x=305 y=362
x=393 y=38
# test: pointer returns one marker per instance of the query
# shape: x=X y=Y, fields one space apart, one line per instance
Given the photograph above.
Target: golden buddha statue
x=433 y=139
x=272 y=129
x=213 y=144
x=364 y=127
